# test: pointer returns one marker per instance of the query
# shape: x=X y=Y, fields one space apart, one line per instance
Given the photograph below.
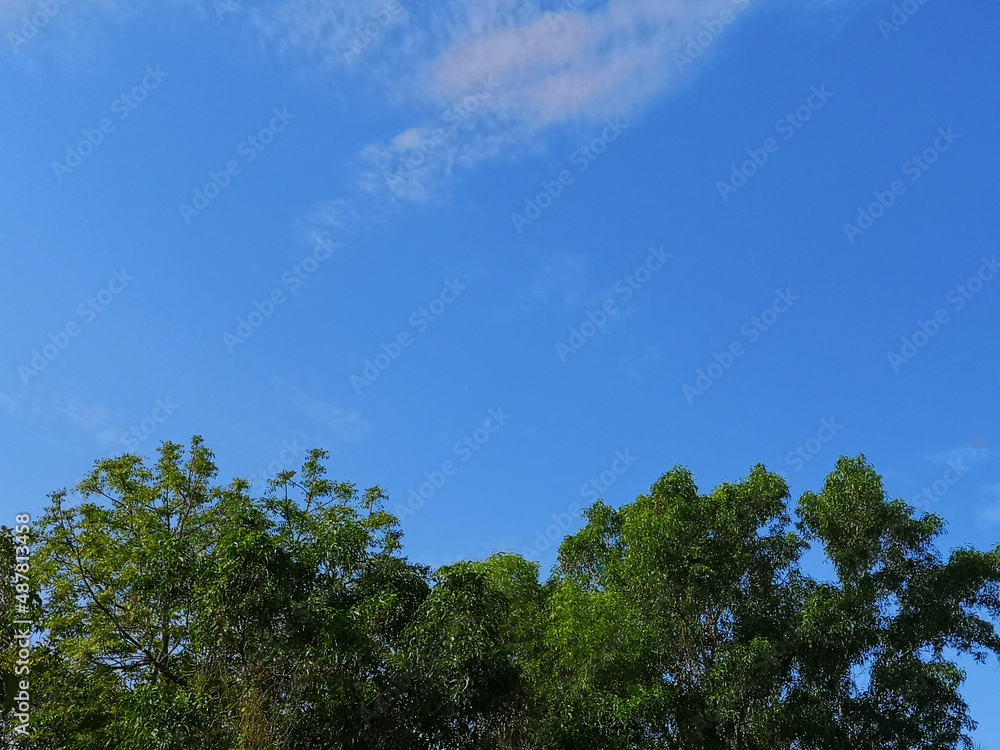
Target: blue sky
x=545 y=229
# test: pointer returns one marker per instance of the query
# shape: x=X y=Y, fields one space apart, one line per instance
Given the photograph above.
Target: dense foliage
x=177 y=613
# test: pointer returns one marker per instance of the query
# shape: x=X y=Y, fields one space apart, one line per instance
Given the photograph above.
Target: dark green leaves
x=177 y=613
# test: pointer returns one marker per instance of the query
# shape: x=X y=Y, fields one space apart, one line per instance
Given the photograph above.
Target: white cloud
x=560 y=281
x=399 y=172
x=57 y=405
x=502 y=72
x=961 y=453
x=992 y=514
x=325 y=217
x=588 y=61
x=330 y=35
x=68 y=32
x=409 y=139
x=89 y=417
x=345 y=425
x=8 y=401
x=576 y=65
x=635 y=364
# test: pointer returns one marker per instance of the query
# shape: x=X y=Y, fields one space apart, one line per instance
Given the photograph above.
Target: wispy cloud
x=548 y=70
x=960 y=459
x=52 y=404
x=588 y=60
x=588 y=63
x=993 y=513
x=636 y=364
x=966 y=453
x=36 y=33
x=329 y=35
x=559 y=281
x=346 y=425
x=484 y=79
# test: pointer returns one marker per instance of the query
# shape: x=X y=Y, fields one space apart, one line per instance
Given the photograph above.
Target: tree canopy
x=174 y=612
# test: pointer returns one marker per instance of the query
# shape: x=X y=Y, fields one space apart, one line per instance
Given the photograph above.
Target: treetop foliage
x=174 y=612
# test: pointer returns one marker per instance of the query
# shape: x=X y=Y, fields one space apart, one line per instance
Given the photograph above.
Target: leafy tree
x=686 y=620
x=179 y=613
x=664 y=611
x=7 y=609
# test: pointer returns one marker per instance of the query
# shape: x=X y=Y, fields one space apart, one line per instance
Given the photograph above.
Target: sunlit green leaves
x=178 y=613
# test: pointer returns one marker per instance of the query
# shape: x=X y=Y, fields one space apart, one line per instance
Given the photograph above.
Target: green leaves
x=8 y=689
x=177 y=613
x=686 y=620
